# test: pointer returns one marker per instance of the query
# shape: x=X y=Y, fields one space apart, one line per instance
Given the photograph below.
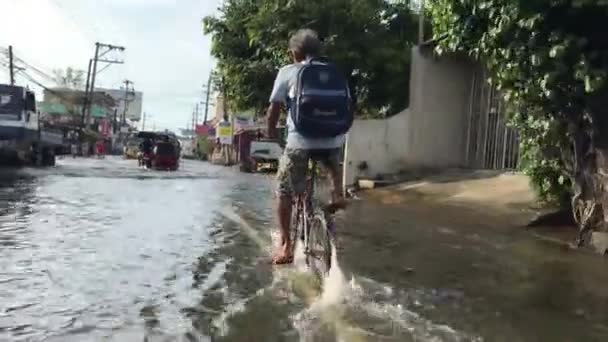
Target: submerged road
x=99 y=250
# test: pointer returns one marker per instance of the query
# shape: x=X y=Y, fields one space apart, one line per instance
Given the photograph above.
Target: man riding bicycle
x=308 y=87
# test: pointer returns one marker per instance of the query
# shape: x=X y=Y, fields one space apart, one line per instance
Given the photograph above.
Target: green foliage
x=547 y=57
x=369 y=39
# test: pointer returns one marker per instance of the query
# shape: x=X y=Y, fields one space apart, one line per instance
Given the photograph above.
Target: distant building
x=134 y=102
x=64 y=106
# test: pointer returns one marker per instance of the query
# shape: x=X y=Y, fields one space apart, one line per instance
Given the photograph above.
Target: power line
x=34 y=68
x=37 y=70
x=92 y=73
x=50 y=90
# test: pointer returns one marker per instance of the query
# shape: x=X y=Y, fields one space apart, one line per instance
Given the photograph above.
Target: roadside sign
x=224 y=132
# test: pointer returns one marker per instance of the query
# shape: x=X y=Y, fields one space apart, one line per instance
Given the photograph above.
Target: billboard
x=224 y=132
x=243 y=123
x=134 y=100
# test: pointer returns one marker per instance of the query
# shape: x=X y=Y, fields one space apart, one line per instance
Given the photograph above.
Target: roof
x=77 y=96
x=61 y=109
x=152 y=135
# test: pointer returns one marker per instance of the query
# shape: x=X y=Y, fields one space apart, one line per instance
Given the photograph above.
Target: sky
x=167 y=55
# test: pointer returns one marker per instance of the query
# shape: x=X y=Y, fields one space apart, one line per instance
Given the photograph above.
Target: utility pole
x=115 y=123
x=127 y=100
x=196 y=116
x=11 y=64
x=207 y=98
x=86 y=95
x=143 y=124
x=92 y=85
x=98 y=54
x=193 y=122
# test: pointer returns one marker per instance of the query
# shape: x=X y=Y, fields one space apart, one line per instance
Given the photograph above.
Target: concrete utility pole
x=86 y=95
x=115 y=122
x=193 y=125
x=143 y=124
x=196 y=115
x=207 y=98
x=100 y=51
x=11 y=64
x=123 y=119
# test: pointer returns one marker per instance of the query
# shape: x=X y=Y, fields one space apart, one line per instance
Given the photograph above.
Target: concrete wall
x=431 y=134
x=378 y=143
x=440 y=91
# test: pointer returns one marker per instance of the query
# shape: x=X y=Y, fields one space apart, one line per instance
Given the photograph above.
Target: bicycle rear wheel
x=318 y=246
x=297 y=226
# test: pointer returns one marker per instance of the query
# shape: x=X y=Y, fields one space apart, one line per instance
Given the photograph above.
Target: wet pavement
x=97 y=250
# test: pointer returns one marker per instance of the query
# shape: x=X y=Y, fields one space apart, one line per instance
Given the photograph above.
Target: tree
x=69 y=78
x=369 y=39
x=550 y=62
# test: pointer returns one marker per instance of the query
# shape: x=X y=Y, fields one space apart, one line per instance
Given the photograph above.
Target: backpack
x=320 y=107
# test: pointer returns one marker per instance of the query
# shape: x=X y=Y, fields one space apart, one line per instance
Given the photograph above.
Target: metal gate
x=491 y=144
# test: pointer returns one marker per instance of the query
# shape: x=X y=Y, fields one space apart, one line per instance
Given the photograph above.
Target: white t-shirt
x=284 y=86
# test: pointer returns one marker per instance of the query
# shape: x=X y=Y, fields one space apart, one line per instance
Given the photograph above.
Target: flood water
x=99 y=250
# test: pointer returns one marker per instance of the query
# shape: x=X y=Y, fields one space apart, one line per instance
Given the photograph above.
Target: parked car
x=131 y=149
x=265 y=153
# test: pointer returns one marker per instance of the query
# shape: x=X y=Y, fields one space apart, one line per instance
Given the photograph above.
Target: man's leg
x=332 y=165
x=291 y=177
x=284 y=214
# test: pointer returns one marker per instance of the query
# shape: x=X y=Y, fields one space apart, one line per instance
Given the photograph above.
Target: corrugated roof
x=61 y=109
x=54 y=108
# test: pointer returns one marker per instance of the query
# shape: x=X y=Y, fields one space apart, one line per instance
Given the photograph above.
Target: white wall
x=440 y=90
x=379 y=143
x=431 y=134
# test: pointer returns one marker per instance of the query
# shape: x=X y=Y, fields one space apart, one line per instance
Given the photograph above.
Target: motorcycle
x=145 y=159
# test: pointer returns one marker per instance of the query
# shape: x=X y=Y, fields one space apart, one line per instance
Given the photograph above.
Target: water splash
x=359 y=309
x=334 y=285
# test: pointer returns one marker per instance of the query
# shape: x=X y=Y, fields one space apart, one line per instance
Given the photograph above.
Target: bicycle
x=313 y=224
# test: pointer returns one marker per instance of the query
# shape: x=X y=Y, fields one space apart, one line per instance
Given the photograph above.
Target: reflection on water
x=101 y=250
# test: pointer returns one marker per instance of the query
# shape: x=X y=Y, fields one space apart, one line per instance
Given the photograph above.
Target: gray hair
x=306 y=42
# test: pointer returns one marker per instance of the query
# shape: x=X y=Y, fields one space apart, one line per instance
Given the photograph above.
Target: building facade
x=133 y=102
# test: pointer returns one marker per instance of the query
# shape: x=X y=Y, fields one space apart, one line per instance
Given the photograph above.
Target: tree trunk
x=590 y=194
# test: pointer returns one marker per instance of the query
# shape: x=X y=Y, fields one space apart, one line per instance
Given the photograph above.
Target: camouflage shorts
x=293 y=168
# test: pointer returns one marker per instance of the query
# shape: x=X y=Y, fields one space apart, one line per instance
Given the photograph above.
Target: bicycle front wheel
x=318 y=246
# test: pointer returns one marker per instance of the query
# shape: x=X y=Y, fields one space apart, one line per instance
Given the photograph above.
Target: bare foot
x=284 y=256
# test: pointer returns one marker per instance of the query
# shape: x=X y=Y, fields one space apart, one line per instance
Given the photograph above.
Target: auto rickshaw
x=165 y=156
